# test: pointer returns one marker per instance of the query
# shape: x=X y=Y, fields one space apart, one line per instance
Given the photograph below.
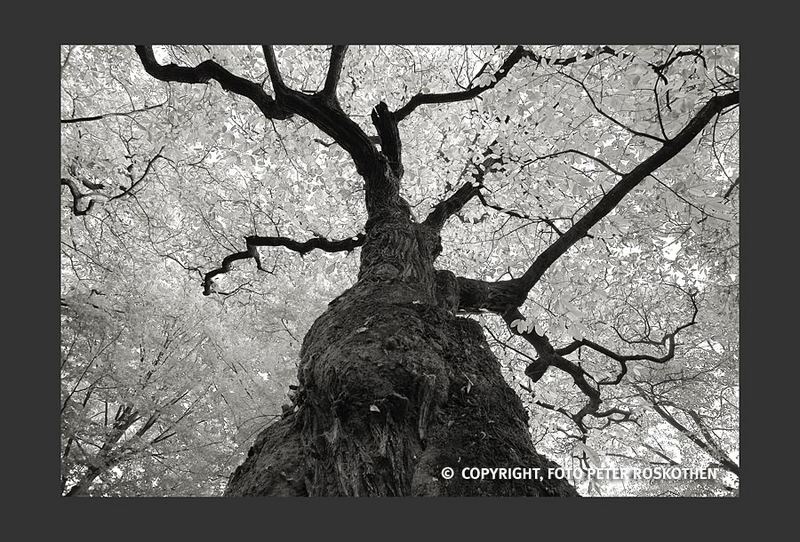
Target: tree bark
x=393 y=387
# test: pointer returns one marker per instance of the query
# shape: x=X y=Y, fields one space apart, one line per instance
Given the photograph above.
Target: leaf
x=228 y=172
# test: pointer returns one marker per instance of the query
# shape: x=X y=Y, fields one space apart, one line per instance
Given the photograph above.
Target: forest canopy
x=217 y=199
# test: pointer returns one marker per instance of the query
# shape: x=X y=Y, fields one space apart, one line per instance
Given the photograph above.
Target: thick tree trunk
x=393 y=388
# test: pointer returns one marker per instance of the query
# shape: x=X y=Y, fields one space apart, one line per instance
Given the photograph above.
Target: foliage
x=162 y=181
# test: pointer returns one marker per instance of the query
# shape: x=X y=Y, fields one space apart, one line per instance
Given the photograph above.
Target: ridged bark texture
x=393 y=388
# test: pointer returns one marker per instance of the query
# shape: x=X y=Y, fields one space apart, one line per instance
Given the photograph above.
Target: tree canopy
x=213 y=204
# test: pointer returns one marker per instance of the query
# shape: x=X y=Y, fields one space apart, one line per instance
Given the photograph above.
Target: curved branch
x=274 y=72
x=513 y=58
x=609 y=117
x=448 y=207
x=548 y=356
x=503 y=296
x=77 y=196
x=302 y=248
x=315 y=108
x=668 y=340
x=449 y=97
x=136 y=183
x=456 y=201
x=333 y=121
x=207 y=70
x=580 y=153
x=628 y=182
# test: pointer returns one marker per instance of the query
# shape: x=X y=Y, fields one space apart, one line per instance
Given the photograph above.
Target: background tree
x=579 y=203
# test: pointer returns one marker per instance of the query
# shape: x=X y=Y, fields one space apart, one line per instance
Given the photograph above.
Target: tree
x=575 y=206
x=158 y=396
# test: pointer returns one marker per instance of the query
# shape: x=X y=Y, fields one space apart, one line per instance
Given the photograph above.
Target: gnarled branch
x=302 y=248
x=501 y=294
x=207 y=70
x=315 y=108
x=667 y=340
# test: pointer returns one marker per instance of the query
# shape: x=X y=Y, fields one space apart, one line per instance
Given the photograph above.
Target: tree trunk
x=393 y=387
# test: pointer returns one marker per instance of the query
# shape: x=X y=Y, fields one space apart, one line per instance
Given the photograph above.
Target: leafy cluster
x=602 y=182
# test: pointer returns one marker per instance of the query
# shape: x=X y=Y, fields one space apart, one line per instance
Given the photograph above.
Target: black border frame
x=32 y=386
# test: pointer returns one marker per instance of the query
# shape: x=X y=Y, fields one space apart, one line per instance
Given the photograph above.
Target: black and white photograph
x=493 y=270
